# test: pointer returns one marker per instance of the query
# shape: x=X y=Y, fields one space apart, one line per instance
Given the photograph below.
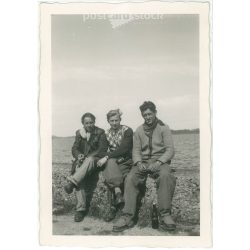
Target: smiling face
x=114 y=122
x=149 y=116
x=88 y=124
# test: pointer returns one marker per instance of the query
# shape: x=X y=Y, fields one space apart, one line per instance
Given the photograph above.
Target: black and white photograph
x=125 y=124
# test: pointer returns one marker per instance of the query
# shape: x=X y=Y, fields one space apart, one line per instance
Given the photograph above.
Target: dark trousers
x=115 y=174
x=165 y=188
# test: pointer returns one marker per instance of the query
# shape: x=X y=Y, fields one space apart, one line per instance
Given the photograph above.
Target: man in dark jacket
x=84 y=151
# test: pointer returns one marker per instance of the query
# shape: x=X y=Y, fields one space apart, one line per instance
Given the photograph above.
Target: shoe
x=119 y=201
x=69 y=187
x=167 y=223
x=123 y=223
x=79 y=216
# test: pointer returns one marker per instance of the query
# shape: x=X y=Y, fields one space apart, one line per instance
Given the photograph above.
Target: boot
x=167 y=223
x=69 y=187
x=79 y=216
x=124 y=222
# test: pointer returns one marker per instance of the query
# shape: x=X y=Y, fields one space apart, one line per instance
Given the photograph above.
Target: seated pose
x=116 y=154
x=152 y=153
x=84 y=150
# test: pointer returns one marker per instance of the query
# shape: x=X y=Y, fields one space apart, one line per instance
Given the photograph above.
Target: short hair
x=148 y=105
x=88 y=115
x=113 y=113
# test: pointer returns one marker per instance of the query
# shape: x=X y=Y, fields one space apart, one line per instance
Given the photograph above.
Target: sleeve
x=137 y=155
x=169 y=144
x=103 y=146
x=76 y=146
x=125 y=147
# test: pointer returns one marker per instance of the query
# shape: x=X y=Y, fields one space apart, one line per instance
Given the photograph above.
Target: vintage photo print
x=125 y=124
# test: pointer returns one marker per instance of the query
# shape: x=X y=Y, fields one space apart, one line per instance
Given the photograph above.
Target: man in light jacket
x=153 y=150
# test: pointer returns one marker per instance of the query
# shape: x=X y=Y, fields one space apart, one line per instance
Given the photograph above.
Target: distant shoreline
x=174 y=132
x=185 y=131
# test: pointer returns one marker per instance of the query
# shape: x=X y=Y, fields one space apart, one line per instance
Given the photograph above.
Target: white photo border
x=46 y=235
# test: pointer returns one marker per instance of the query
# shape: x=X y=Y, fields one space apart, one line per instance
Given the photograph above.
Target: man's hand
x=102 y=161
x=142 y=168
x=80 y=157
x=155 y=167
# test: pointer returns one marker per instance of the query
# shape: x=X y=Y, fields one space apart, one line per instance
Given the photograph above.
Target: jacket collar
x=87 y=135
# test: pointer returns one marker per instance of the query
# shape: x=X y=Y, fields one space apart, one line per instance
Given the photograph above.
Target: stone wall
x=186 y=201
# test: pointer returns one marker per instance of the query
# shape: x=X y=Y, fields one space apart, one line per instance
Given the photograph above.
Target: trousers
x=165 y=181
x=86 y=169
x=114 y=174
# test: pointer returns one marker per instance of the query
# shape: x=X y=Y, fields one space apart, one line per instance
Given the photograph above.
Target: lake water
x=187 y=151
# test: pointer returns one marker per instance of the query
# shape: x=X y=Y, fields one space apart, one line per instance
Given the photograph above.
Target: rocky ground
x=186 y=209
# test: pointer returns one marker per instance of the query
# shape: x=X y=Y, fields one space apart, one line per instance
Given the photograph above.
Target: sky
x=98 y=66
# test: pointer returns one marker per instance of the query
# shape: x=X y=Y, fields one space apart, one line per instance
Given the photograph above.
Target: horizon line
x=172 y=130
